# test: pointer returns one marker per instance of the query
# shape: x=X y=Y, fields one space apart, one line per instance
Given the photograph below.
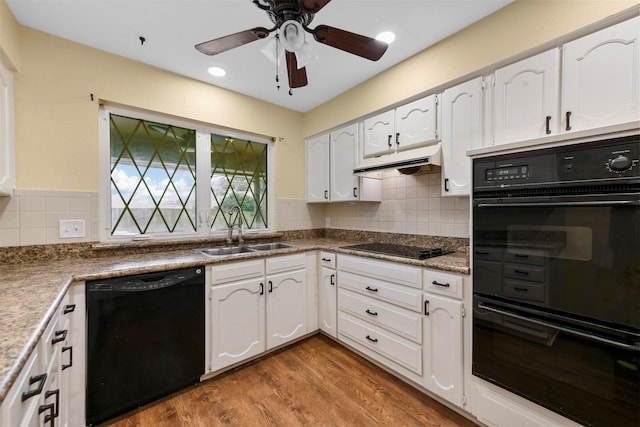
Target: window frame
x=203 y=174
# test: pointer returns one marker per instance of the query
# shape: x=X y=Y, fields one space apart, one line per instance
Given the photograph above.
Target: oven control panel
x=578 y=164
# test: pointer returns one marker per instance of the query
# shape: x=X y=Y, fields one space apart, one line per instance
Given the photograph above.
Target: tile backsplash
x=411 y=204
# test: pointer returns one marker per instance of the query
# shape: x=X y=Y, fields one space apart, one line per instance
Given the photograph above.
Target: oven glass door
x=568 y=255
x=572 y=371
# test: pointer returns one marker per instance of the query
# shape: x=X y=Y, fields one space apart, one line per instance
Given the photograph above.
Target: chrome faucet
x=236 y=208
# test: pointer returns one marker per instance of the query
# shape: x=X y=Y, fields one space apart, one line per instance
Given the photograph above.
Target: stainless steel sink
x=270 y=246
x=223 y=251
x=236 y=250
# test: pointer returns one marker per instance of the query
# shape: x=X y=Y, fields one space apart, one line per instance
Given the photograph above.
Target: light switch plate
x=71 y=228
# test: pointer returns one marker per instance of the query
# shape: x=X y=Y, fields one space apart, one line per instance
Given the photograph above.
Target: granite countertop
x=31 y=293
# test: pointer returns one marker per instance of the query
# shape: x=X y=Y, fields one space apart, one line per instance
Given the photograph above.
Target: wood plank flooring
x=316 y=382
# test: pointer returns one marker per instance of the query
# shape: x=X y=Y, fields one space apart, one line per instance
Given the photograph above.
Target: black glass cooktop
x=412 y=252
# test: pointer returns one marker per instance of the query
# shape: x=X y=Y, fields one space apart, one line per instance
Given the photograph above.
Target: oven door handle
x=591 y=337
x=531 y=205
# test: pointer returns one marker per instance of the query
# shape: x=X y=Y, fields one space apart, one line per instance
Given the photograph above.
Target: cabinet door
x=378 y=134
x=327 y=301
x=237 y=322
x=601 y=75
x=443 y=366
x=527 y=98
x=461 y=131
x=344 y=184
x=7 y=173
x=286 y=307
x=415 y=123
x=317 y=150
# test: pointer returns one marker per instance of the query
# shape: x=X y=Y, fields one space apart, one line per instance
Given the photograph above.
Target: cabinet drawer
x=55 y=336
x=395 y=319
x=524 y=291
x=524 y=272
x=383 y=270
x=384 y=291
x=279 y=264
x=443 y=284
x=524 y=258
x=15 y=410
x=236 y=271
x=489 y=253
x=327 y=259
x=395 y=348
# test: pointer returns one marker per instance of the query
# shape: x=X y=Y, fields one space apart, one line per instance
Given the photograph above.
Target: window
x=168 y=178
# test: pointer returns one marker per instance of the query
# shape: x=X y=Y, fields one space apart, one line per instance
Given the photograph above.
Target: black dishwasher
x=145 y=339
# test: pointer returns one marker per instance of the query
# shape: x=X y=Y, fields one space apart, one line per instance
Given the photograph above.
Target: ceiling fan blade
x=356 y=44
x=297 y=76
x=312 y=6
x=222 y=44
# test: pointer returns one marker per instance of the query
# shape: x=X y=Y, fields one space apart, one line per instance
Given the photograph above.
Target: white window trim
x=203 y=168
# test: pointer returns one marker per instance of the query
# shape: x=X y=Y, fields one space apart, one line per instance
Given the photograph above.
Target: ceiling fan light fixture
x=292 y=35
x=305 y=55
x=386 y=36
x=273 y=50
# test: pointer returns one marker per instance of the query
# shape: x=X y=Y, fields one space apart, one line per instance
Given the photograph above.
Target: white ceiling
x=172 y=28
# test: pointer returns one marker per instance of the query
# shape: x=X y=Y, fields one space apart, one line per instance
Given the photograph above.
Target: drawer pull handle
x=55 y=393
x=70 y=350
x=568 y=120
x=524 y=273
x=389 y=140
x=332 y=280
x=371 y=289
x=59 y=336
x=49 y=417
x=371 y=339
x=270 y=286
x=372 y=313
x=69 y=308
x=520 y=289
x=261 y=288
x=41 y=379
x=548 y=125
x=426 y=307
x=444 y=285
x=326 y=259
x=521 y=256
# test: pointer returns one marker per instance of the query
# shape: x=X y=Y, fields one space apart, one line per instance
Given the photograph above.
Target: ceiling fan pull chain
x=277 y=68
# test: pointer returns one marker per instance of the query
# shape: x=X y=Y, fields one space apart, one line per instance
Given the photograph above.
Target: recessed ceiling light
x=217 y=71
x=387 y=36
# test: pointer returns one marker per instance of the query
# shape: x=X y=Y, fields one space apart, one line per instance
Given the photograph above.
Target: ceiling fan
x=291 y=19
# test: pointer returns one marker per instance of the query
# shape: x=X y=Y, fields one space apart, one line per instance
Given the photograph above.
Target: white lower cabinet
x=256 y=305
x=43 y=392
x=327 y=295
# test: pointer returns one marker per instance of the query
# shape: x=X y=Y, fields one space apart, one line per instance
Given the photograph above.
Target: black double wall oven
x=556 y=264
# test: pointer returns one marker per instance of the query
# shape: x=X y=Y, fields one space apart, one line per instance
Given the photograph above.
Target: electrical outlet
x=71 y=228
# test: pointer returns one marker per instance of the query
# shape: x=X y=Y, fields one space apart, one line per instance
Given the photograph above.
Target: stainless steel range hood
x=429 y=155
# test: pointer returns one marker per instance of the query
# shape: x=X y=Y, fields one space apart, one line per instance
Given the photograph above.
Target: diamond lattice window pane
x=238 y=177
x=152 y=177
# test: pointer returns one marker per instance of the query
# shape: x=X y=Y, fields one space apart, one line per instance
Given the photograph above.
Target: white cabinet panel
x=416 y=124
x=443 y=358
x=461 y=131
x=601 y=78
x=286 y=307
x=526 y=102
x=378 y=134
x=327 y=301
x=344 y=143
x=237 y=322
x=317 y=155
x=396 y=273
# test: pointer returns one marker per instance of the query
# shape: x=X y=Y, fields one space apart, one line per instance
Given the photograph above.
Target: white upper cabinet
x=7 y=171
x=416 y=123
x=526 y=98
x=462 y=108
x=331 y=159
x=409 y=126
x=601 y=75
x=342 y=154
x=317 y=150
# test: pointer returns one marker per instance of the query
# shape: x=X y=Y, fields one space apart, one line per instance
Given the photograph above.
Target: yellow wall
x=57 y=124
x=9 y=35
x=517 y=27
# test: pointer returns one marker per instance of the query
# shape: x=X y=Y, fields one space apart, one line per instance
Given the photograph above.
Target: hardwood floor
x=316 y=382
